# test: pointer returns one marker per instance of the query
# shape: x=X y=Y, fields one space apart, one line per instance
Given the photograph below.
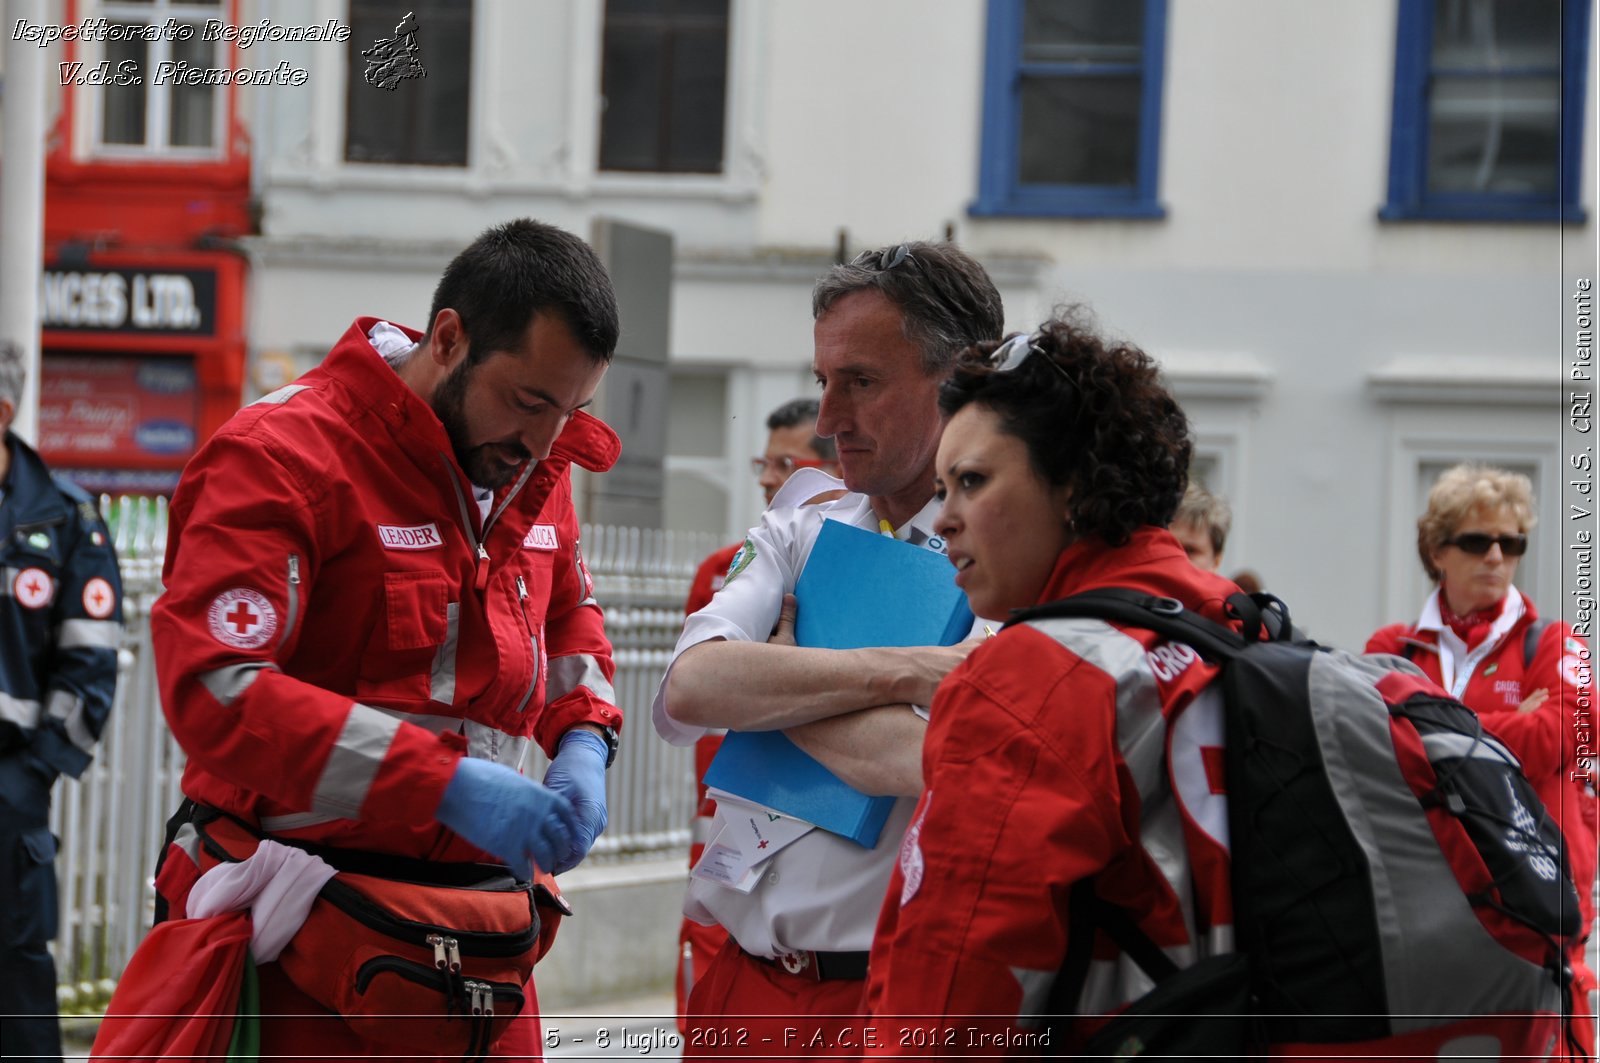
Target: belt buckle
x=796 y=962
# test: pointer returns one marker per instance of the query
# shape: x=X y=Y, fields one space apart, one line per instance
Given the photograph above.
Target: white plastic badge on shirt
x=750 y=835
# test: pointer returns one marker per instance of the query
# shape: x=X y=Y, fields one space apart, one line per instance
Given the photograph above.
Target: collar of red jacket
x=1151 y=560
x=587 y=441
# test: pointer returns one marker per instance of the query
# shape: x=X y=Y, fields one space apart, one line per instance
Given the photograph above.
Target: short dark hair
x=1095 y=417
x=522 y=268
x=798 y=412
x=947 y=301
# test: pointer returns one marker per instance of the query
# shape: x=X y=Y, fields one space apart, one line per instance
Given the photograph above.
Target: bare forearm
x=878 y=751
x=756 y=686
x=753 y=686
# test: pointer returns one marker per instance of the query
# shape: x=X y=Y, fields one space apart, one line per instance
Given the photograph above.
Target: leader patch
x=741 y=561
x=242 y=618
x=98 y=598
x=33 y=588
x=421 y=537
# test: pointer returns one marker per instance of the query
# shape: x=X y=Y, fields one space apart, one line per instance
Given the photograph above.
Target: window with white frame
x=1072 y=108
x=150 y=106
x=1488 y=110
x=408 y=86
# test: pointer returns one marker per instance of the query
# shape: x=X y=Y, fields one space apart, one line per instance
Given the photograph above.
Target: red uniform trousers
x=746 y=1008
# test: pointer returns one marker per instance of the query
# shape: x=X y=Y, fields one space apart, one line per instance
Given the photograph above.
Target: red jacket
x=333 y=638
x=1546 y=739
x=1045 y=748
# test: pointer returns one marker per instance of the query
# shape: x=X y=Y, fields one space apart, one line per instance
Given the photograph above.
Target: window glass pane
x=1082 y=31
x=122 y=115
x=1489 y=34
x=700 y=74
x=1494 y=135
x=1080 y=131
x=664 y=85
x=631 y=83
x=192 y=108
x=422 y=120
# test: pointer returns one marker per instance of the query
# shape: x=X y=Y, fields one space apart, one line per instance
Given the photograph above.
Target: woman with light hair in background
x=1481 y=639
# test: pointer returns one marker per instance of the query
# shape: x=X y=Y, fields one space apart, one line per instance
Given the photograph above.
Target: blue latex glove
x=579 y=774
x=500 y=812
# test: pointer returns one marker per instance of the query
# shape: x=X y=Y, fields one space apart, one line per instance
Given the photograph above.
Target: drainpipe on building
x=22 y=149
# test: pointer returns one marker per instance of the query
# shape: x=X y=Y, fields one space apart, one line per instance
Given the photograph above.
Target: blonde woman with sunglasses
x=1480 y=638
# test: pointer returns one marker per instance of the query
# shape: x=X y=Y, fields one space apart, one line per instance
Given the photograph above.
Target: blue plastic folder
x=858 y=588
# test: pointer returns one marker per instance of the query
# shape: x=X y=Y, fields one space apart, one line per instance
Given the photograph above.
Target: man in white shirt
x=888 y=327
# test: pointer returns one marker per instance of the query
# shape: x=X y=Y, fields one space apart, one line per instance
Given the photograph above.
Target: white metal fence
x=110 y=821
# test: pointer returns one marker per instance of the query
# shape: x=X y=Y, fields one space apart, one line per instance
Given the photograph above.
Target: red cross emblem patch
x=242 y=618
x=98 y=598
x=33 y=588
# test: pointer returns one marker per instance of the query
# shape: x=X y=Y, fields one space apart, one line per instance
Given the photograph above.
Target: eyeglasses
x=1477 y=543
x=884 y=260
x=785 y=464
x=1009 y=356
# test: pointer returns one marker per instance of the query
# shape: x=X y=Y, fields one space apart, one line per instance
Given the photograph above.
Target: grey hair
x=1208 y=512
x=947 y=301
x=798 y=412
x=13 y=371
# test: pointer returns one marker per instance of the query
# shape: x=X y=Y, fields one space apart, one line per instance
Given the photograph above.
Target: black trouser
x=28 y=1024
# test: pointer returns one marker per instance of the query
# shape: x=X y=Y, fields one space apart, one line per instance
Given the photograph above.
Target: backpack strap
x=1150 y=612
x=1530 y=639
x=1088 y=911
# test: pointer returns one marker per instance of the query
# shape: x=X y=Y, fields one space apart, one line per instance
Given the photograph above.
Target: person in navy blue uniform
x=60 y=625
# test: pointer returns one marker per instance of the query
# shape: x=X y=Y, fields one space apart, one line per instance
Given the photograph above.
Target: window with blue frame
x=1072 y=108
x=1488 y=110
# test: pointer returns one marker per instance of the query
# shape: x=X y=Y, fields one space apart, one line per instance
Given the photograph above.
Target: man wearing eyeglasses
x=887 y=328
x=792 y=443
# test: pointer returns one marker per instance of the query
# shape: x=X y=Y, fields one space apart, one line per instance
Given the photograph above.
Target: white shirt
x=1456 y=664
x=820 y=893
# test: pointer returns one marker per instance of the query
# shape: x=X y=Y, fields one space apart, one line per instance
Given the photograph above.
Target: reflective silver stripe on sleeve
x=93 y=634
x=573 y=671
x=487 y=743
x=226 y=684
x=442 y=678
x=67 y=707
x=23 y=713
x=354 y=762
x=296 y=821
x=188 y=840
x=281 y=396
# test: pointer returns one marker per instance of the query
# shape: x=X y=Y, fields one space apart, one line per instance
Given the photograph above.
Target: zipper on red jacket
x=480 y=574
x=293 y=610
x=522 y=600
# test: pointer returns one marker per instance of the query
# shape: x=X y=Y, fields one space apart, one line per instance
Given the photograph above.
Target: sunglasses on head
x=785 y=464
x=886 y=259
x=1009 y=356
x=1478 y=543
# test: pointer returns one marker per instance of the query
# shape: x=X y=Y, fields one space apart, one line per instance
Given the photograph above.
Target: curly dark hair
x=1095 y=417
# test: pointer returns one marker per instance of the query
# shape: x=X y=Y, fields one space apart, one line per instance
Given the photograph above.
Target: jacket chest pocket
x=416 y=610
x=416 y=622
x=536 y=572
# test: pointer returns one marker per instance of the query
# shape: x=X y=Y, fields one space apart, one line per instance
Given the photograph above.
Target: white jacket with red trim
x=333 y=636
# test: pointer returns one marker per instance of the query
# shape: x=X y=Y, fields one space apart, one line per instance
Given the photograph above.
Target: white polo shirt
x=820 y=893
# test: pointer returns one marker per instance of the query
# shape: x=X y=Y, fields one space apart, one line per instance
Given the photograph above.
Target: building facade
x=1349 y=232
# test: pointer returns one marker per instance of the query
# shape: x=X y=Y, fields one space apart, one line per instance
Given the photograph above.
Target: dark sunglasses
x=1478 y=543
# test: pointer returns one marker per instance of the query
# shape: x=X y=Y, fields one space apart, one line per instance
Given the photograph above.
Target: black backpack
x=1391 y=867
